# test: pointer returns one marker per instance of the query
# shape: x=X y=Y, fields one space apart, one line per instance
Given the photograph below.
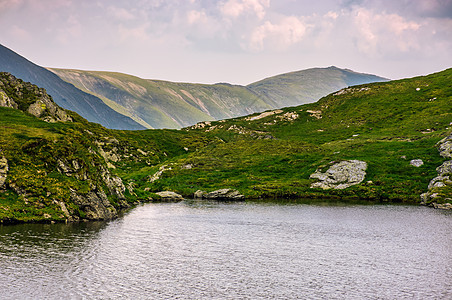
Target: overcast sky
x=235 y=41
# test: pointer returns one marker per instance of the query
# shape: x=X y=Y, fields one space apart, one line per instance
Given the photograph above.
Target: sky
x=234 y=41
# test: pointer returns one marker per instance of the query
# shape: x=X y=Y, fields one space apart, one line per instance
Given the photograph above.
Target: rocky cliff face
x=439 y=192
x=68 y=171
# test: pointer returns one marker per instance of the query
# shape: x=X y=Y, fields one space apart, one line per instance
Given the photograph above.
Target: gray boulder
x=340 y=175
x=416 y=162
x=167 y=195
x=224 y=194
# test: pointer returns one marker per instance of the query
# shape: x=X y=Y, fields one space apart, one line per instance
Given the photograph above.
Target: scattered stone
x=416 y=162
x=340 y=175
x=168 y=195
x=159 y=173
x=187 y=167
x=315 y=113
x=264 y=114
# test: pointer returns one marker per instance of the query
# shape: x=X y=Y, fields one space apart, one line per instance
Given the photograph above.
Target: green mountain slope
x=56 y=166
x=163 y=104
x=386 y=125
x=307 y=86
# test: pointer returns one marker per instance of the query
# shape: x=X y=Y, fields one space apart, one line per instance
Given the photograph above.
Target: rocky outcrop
x=172 y=196
x=94 y=205
x=439 y=194
x=3 y=171
x=445 y=147
x=32 y=99
x=340 y=175
x=222 y=194
x=6 y=101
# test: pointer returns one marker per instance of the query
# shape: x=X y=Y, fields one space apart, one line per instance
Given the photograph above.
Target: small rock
x=416 y=162
x=199 y=194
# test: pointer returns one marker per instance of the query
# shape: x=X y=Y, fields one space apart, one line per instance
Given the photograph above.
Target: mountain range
x=121 y=101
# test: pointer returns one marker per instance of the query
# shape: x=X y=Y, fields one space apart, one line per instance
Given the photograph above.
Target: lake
x=212 y=250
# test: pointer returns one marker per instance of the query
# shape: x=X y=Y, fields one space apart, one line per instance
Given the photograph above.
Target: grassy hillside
x=384 y=124
x=73 y=170
x=163 y=104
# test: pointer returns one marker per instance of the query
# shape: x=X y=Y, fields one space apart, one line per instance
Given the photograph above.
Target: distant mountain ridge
x=121 y=101
x=164 y=104
x=64 y=93
x=307 y=86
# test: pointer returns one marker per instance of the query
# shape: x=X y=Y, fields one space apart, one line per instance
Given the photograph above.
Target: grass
x=385 y=124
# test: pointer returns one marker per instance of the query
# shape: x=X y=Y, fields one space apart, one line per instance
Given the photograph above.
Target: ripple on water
x=196 y=250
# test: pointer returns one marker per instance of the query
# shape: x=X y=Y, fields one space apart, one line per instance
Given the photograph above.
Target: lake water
x=210 y=250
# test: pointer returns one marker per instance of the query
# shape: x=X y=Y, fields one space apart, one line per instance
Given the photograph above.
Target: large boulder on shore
x=222 y=194
x=167 y=195
x=340 y=175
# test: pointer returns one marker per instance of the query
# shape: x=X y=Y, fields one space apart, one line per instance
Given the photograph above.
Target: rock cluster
x=340 y=175
x=222 y=194
x=439 y=193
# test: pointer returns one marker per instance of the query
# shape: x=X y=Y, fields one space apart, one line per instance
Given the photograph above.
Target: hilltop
x=388 y=141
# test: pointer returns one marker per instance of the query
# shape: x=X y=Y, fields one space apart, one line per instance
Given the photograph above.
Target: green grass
x=384 y=124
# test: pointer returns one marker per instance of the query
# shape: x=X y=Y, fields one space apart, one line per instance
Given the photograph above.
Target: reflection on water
x=205 y=250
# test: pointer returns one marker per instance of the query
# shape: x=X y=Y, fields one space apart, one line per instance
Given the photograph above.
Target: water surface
x=210 y=250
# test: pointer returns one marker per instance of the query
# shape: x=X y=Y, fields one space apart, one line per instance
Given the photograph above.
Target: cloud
x=380 y=32
x=236 y=8
x=277 y=36
x=120 y=13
